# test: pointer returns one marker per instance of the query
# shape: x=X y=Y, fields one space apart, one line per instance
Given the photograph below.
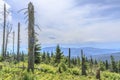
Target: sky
x=70 y=23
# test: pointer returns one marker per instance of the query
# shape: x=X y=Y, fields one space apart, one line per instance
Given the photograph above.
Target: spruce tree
x=96 y=62
x=22 y=56
x=58 y=54
x=52 y=54
x=106 y=64
x=37 y=52
x=48 y=58
x=113 y=64
x=78 y=61
x=91 y=64
x=119 y=66
x=44 y=57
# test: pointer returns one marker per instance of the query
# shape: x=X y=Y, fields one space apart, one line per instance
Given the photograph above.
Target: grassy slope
x=47 y=72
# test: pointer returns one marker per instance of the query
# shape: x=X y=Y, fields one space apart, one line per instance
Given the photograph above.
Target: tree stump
x=98 y=74
x=0 y=67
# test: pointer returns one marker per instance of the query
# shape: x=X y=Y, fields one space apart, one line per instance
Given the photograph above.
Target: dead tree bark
x=31 y=37
x=69 y=57
x=18 y=44
x=98 y=74
x=4 y=27
x=8 y=31
x=13 y=43
x=83 y=64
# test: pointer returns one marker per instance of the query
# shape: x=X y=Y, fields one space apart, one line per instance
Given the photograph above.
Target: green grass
x=11 y=71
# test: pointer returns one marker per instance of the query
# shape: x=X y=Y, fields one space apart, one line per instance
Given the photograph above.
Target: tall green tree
x=48 y=58
x=113 y=64
x=95 y=62
x=106 y=64
x=91 y=63
x=118 y=66
x=37 y=51
x=22 y=56
x=58 y=54
x=78 y=61
x=44 y=57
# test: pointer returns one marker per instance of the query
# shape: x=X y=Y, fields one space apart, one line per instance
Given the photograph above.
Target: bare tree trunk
x=83 y=64
x=18 y=44
x=8 y=31
x=98 y=74
x=69 y=57
x=31 y=37
x=13 y=44
x=3 y=44
x=6 y=43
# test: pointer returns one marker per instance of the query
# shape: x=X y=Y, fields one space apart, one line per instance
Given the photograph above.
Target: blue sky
x=74 y=23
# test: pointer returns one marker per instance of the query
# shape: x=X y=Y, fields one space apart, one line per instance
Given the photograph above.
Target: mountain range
x=96 y=53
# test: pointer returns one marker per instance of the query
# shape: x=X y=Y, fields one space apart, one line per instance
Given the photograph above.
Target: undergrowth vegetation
x=10 y=71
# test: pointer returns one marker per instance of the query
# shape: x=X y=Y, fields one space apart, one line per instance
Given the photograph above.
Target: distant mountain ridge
x=96 y=53
x=104 y=57
x=88 y=51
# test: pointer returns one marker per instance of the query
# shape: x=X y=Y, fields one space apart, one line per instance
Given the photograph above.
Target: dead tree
x=18 y=43
x=13 y=43
x=31 y=34
x=83 y=64
x=31 y=37
x=98 y=74
x=8 y=31
x=69 y=57
x=4 y=27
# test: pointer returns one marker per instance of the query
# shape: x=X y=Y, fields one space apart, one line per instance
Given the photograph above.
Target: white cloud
x=2 y=9
x=69 y=23
x=9 y=17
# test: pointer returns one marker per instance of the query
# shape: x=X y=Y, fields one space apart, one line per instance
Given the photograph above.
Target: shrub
x=62 y=67
x=28 y=76
x=47 y=69
x=1 y=59
x=75 y=71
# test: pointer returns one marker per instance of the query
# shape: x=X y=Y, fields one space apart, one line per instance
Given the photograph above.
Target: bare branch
x=38 y=27
x=25 y=16
x=10 y=30
x=7 y=12
x=26 y=21
x=22 y=10
x=25 y=12
x=36 y=33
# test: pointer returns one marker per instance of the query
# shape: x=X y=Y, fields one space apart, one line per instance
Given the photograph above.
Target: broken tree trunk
x=3 y=44
x=8 y=31
x=13 y=43
x=83 y=64
x=69 y=57
x=31 y=37
x=98 y=74
x=18 y=44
